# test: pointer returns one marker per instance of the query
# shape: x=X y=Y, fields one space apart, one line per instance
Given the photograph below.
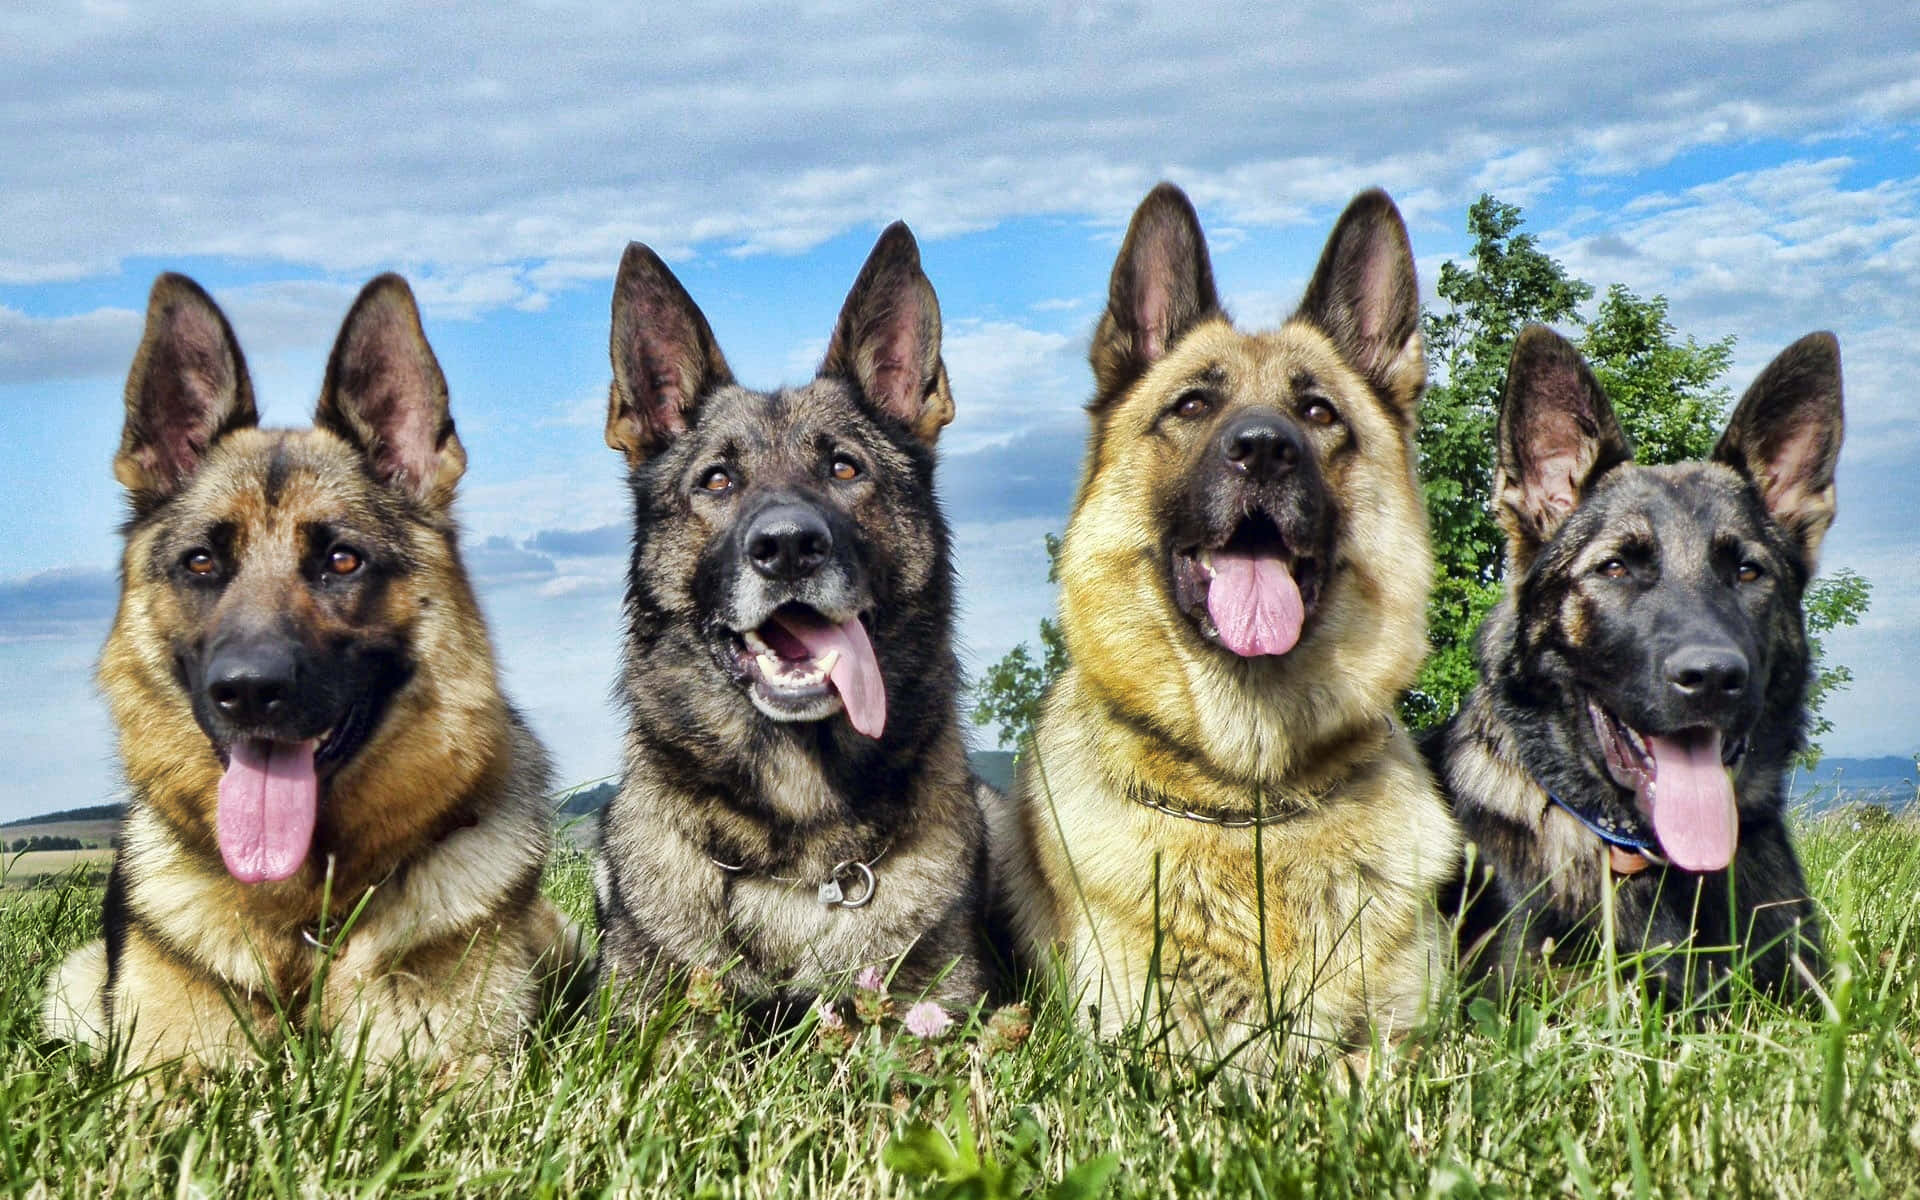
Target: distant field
x=22 y=870
x=94 y=833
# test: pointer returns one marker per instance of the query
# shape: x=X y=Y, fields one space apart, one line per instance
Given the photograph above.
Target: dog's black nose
x=1262 y=443
x=252 y=682
x=788 y=541
x=1707 y=673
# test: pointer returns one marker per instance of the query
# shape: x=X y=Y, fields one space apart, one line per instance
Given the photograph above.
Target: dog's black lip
x=1733 y=746
x=736 y=657
x=343 y=740
x=727 y=632
x=1305 y=568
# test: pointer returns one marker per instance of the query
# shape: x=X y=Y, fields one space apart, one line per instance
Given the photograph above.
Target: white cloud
x=41 y=348
x=502 y=156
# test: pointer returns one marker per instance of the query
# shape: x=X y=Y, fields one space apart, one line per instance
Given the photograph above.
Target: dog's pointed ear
x=1364 y=296
x=1784 y=435
x=887 y=339
x=385 y=395
x=1162 y=286
x=665 y=358
x=187 y=389
x=1557 y=436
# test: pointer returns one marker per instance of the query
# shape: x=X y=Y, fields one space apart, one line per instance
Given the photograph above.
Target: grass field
x=1545 y=1096
x=30 y=867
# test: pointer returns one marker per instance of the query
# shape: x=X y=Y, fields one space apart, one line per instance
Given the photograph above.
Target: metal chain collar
x=1224 y=818
x=829 y=892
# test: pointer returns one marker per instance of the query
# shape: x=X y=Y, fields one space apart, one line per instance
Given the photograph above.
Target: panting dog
x=334 y=817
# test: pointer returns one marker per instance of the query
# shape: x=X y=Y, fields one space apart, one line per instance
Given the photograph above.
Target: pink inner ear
x=396 y=400
x=1154 y=308
x=1556 y=447
x=893 y=373
x=663 y=400
x=1552 y=488
x=189 y=385
x=1790 y=470
x=1369 y=310
x=412 y=440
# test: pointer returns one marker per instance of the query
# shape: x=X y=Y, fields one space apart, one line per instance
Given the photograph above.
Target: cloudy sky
x=1760 y=168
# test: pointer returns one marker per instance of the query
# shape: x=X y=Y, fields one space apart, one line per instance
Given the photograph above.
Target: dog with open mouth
x=1221 y=830
x=333 y=814
x=796 y=805
x=1643 y=681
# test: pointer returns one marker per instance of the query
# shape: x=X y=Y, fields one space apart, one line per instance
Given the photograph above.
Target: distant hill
x=586 y=801
x=1888 y=782
x=994 y=766
x=1889 y=770
x=98 y=812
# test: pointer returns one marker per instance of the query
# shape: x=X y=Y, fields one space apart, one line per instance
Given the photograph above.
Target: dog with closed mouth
x=333 y=816
x=1643 y=681
x=1221 y=830
x=796 y=805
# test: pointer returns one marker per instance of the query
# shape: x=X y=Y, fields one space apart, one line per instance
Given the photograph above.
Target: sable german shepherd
x=1643 y=681
x=796 y=803
x=325 y=783
x=1229 y=832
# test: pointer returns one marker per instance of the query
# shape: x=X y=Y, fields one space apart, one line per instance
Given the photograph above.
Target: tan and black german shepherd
x=1643 y=681
x=796 y=804
x=325 y=784
x=1229 y=830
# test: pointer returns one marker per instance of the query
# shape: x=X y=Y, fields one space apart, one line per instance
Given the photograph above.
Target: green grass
x=1545 y=1095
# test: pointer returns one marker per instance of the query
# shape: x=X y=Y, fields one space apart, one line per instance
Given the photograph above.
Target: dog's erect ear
x=384 y=394
x=188 y=388
x=1364 y=296
x=887 y=339
x=1557 y=436
x=1162 y=286
x=665 y=358
x=1784 y=435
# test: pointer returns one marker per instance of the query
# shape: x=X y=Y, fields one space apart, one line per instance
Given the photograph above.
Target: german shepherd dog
x=796 y=803
x=1229 y=832
x=333 y=814
x=1643 y=680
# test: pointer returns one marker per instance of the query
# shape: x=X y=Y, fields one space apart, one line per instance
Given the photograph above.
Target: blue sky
x=1761 y=169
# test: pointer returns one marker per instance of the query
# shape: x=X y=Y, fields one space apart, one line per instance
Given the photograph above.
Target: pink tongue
x=1255 y=604
x=268 y=799
x=855 y=674
x=1693 y=810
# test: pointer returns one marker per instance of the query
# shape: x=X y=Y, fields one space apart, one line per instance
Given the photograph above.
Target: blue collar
x=1640 y=840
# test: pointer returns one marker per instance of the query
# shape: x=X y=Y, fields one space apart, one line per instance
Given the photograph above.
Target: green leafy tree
x=1010 y=692
x=1831 y=602
x=1506 y=283
x=1667 y=395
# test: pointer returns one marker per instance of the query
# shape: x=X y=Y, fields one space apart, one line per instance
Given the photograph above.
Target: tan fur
x=424 y=883
x=1332 y=932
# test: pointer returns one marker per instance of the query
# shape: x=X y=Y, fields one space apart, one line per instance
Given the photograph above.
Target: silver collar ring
x=831 y=894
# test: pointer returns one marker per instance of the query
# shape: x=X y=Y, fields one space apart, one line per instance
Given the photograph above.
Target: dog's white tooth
x=769 y=663
x=826 y=662
x=1206 y=562
x=755 y=642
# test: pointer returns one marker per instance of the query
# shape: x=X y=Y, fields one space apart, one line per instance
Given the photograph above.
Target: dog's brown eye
x=716 y=480
x=1614 y=568
x=199 y=562
x=1193 y=404
x=1749 y=572
x=344 y=560
x=1319 y=412
x=845 y=469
